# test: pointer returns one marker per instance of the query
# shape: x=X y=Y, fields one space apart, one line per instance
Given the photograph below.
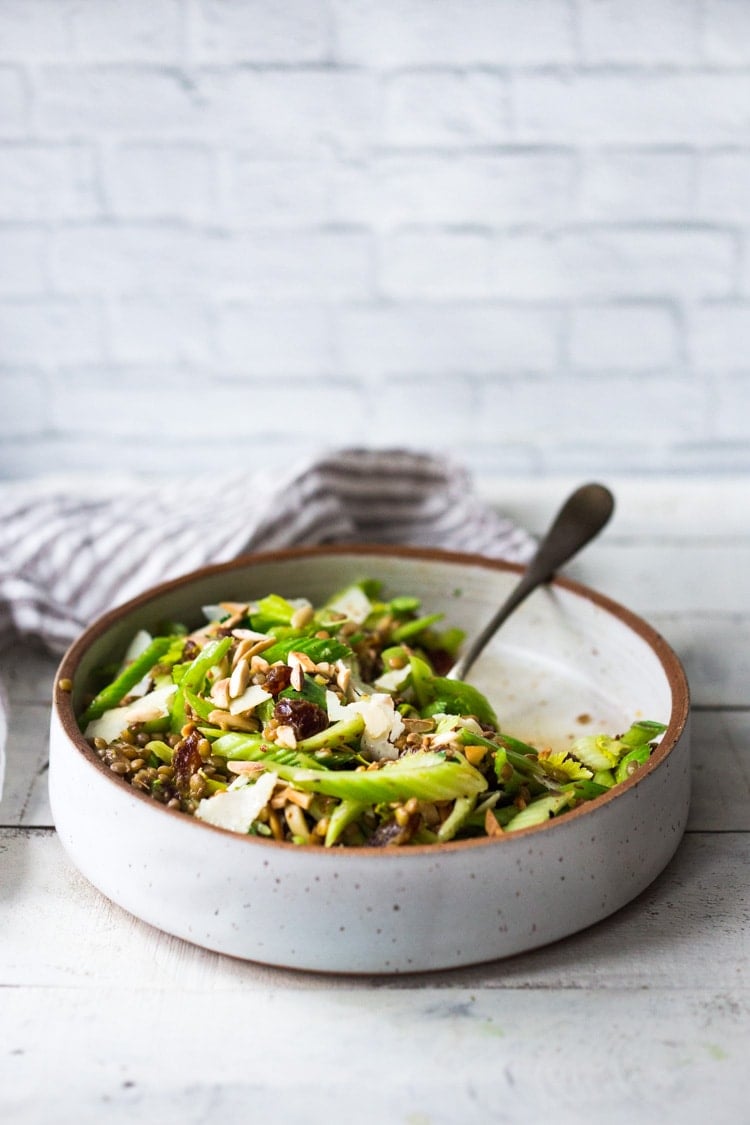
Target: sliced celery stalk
x=538 y=811
x=428 y=776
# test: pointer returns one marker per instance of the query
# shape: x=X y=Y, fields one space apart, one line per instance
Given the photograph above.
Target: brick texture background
x=240 y=230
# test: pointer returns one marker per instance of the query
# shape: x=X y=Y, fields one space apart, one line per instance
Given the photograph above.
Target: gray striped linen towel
x=67 y=556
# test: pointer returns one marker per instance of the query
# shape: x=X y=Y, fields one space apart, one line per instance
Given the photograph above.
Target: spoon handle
x=581 y=517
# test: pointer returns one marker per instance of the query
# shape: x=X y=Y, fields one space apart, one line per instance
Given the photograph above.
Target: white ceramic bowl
x=567 y=662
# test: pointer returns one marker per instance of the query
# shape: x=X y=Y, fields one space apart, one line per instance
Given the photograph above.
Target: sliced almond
x=491 y=825
x=245 y=767
x=302 y=616
x=239 y=679
x=304 y=800
x=226 y=721
x=248 y=635
x=343 y=677
x=260 y=646
x=286 y=738
x=302 y=659
x=297 y=678
x=220 y=694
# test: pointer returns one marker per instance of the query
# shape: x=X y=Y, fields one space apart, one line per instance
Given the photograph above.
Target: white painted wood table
x=643 y=1018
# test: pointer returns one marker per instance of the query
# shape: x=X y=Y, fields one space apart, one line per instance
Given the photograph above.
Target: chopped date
x=278 y=678
x=186 y=761
x=305 y=718
x=390 y=833
x=441 y=661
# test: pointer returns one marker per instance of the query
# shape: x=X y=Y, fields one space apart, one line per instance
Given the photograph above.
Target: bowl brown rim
x=676 y=678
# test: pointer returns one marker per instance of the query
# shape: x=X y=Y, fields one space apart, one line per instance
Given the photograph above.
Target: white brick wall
x=514 y=230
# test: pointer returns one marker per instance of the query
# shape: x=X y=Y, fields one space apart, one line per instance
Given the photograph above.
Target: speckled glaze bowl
x=569 y=661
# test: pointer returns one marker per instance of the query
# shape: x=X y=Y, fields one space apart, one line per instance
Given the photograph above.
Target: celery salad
x=334 y=725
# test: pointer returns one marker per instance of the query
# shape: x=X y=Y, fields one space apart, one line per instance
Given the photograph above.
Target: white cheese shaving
x=354 y=603
x=250 y=698
x=392 y=681
x=112 y=723
x=236 y=809
x=383 y=723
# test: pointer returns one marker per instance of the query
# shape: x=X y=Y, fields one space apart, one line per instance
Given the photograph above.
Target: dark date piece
x=305 y=718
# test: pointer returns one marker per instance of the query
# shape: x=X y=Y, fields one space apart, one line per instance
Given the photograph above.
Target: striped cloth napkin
x=66 y=558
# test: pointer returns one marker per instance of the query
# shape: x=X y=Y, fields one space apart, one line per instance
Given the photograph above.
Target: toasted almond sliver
x=241 y=651
x=304 y=800
x=302 y=616
x=245 y=767
x=239 y=680
x=286 y=738
x=260 y=646
x=220 y=694
x=343 y=677
x=297 y=677
x=226 y=721
x=491 y=825
x=236 y=609
x=302 y=659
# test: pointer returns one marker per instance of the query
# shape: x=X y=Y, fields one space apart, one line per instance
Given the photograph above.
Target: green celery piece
x=317 y=648
x=172 y=629
x=194 y=677
x=428 y=776
x=538 y=811
x=311 y=691
x=643 y=732
x=173 y=655
x=115 y=692
x=370 y=587
x=212 y=785
x=458 y=698
x=238 y=747
x=516 y=745
x=345 y=730
x=585 y=790
x=605 y=778
x=274 y=610
x=162 y=751
x=397 y=653
x=209 y=656
x=449 y=640
x=155 y=726
x=502 y=815
x=523 y=763
x=636 y=757
x=422 y=677
x=597 y=751
x=424 y=835
x=401 y=606
x=342 y=816
x=412 y=629
x=459 y=814
x=202 y=707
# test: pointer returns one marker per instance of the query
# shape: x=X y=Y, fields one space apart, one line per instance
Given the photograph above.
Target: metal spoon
x=582 y=516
